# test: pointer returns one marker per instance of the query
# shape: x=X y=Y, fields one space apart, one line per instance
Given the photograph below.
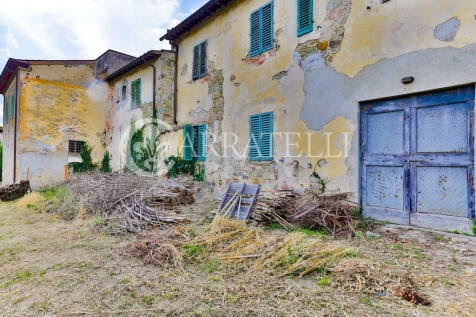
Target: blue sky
x=84 y=29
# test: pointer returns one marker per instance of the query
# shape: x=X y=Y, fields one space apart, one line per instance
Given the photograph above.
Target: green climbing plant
x=177 y=166
x=106 y=163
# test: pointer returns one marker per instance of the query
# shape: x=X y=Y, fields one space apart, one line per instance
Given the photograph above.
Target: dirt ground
x=49 y=267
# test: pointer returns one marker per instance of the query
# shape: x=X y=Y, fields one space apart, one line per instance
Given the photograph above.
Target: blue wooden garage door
x=418 y=159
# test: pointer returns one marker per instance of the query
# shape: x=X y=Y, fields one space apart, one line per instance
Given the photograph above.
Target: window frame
x=74 y=145
x=261 y=49
x=260 y=157
x=310 y=28
x=136 y=97
x=199 y=61
x=197 y=149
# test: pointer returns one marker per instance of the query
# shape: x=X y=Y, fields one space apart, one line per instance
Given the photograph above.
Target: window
x=124 y=90
x=135 y=94
x=13 y=107
x=261 y=30
x=200 y=61
x=261 y=137
x=75 y=147
x=195 y=142
x=6 y=110
x=304 y=16
x=383 y=1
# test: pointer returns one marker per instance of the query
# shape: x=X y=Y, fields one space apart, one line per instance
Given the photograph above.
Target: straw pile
x=15 y=191
x=279 y=255
x=131 y=201
x=160 y=247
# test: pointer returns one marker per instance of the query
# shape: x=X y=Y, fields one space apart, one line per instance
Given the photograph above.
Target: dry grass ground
x=49 y=267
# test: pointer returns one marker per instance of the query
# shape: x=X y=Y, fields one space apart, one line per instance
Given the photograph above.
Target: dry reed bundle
x=280 y=255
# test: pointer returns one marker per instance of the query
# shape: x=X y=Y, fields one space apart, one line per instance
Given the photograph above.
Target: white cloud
x=7 y=40
x=86 y=28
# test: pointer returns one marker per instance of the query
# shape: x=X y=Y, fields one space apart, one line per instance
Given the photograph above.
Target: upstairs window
x=261 y=137
x=13 y=106
x=6 y=110
x=195 y=142
x=75 y=147
x=200 y=61
x=261 y=30
x=124 y=90
x=305 y=16
x=135 y=94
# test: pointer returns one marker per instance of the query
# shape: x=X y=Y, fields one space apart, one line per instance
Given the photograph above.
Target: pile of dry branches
x=333 y=212
x=15 y=191
x=160 y=247
x=274 y=207
x=131 y=201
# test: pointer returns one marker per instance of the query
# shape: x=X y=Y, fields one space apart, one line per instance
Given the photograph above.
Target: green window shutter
x=305 y=17
x=199 y=61
x=138 y=93
x=13 y=106
x=266 y=121
x=133 y=93
x=6 y=111
x=267 y=33
x=203 y=59
x=255 y=33
x=262 y=29
x=188 y=143
x=202 y=143
x=196 y=62
x=255 y=139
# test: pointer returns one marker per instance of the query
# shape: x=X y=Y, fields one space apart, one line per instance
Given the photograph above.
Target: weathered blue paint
x=417 y=156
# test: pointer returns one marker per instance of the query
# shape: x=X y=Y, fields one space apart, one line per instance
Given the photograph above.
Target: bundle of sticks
x=273 y=207
x=15 y=191
x=333 y=212
x=134 y=202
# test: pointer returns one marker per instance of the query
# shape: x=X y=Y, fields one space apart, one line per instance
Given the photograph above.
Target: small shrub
x=323 y=281
x=106 y=163
x=86 y=163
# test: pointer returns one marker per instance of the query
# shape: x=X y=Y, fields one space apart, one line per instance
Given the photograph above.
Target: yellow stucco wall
x=399 y=27
x=308 y=81
x=58 y=103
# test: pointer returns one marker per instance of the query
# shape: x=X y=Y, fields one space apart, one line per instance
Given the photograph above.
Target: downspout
x=154 y=86
x=176 y=48
x=15 y=129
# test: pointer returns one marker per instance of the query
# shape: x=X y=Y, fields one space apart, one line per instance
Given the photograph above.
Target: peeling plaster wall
x=121 y=117
x=58 y=103
x=359 y=50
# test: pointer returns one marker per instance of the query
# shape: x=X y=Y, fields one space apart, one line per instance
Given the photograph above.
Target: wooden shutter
x=133 y=93
x=196 y=62
x=188 y=143
x=266 y=121
x=267 y=37
x=13 y=106
x=202 y=142
x=255 y=33
x=203 y=59
x=305 y=17
x=255 y=133
x=138 y=94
